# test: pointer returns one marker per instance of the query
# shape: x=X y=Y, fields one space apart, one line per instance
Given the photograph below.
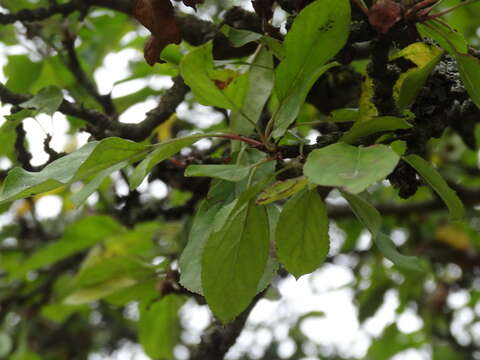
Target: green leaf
x=191 y=258
x=439 y=185
x=224 y=172
x=23 y=354
x=110 y=28
x=469 y=67
x=302 y=233
x=161 y=152
x=7 y=130
x=318 y=33
x=371 y=219
x=79 y=197
x=116 y=266
x=281 y=190
x=375 y=125
x=261 y=80
x=344 y=115
x=239 y=37
x=451 y=41
x=98 y=291
x=113 y=268
x=210 y=216
x=89 y=160
x=159 y=327
x=349 y=167
x=144 y=291
x=411 y=82
x=21 y=73
x=46 y=101
x=197 y=69
x=124 y=102
x=274 y=45
x=273 y=213
x=234 y=260
x=6 y=344
x=77 y=237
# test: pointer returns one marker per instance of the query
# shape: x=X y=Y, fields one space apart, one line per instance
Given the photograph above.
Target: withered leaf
x=384 y=15
x=192 y=3
x=158 y=17
x=263 y=8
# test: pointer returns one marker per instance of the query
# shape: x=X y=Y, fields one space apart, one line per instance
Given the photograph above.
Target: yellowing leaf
x=367 y=109
x=453 y=236
x=419 y=53
x=164 y=131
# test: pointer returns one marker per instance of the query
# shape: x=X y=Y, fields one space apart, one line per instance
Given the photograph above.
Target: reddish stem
x=441 y=13
x=245 y=139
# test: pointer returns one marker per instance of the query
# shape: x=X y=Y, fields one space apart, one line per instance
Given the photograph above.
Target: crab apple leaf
x=411 y=82
x=158 y=17
x=159 y=327
x=161 y=152
x=221 y=88
x=77 y=237
x=239 y=37
x=302 y=233
x=439 y=185
x=89 y=160
x=349 y=167
x=190 y=261
x=469 y=67
x=318 y=33
x=47 y=100
x=281 y=190
x=7 y=131
x=375 y=125
x=371 y=219
x=260 y=86
x=224 y=172
x=449 y=39
x=234 y=261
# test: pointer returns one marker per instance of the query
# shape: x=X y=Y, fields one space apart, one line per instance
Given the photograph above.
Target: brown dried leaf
x=263 y=8
x=384 y=15
x=158 y=17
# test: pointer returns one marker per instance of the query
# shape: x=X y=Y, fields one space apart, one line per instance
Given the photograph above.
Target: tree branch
x=42 y=13
x=101 y=125
x=75 y=67
x=217 y=340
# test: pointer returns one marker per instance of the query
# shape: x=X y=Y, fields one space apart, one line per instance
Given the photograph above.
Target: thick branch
x=167 y=106
x=76 y=69
x=101 y=125
x=217 y=340
x=43 y=13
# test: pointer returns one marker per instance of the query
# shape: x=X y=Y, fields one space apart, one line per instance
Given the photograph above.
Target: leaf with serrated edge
x=92 y=158
x=439 y=185
x=317 y=34
x=302 y=233
x=234 y=260
x=349 y=167
x=371 y=219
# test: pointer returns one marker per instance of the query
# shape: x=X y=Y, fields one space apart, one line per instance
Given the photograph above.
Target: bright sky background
x=325 y=290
